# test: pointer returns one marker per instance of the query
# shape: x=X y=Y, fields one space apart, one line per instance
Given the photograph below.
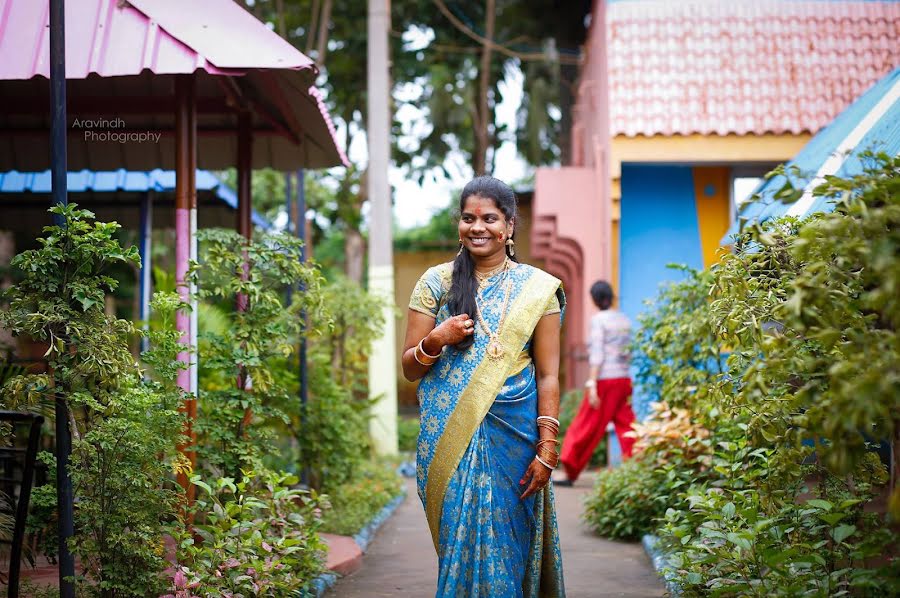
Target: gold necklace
x=483 y=277
x=495 y=349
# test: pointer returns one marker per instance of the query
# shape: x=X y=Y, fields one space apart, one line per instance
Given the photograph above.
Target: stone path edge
x=660 y=563
x=326 y=580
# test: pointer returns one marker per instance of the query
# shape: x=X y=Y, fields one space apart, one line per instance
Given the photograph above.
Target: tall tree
x=464 y=51
x=448 y=61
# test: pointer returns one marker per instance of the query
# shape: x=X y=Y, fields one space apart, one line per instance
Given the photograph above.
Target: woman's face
x=482 y=227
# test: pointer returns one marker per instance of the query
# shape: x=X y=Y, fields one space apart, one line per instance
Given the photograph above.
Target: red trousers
x=589 y=425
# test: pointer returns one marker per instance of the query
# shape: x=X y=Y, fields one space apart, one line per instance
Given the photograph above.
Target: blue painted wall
x=658 y=226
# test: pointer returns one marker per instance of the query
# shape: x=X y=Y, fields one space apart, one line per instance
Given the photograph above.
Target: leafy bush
x=258 y=538
x=784 y=353
x=757 y=543
x=407 y=433
x=335 y=439
x=125 y=429
x=671 y=452
x=355 y=502
x=231 y=420
x=356 y=318
x=331 y=430
x=626 y=500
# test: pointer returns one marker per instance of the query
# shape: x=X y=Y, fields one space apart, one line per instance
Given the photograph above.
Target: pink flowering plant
x=253 y=537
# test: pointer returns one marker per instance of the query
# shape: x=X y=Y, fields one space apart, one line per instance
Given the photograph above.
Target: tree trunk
x=354 y=244
x=568 y=74
x=311 y=32
x=482 y=123
x=354 y=254
x=279 y=11
x=322 y=44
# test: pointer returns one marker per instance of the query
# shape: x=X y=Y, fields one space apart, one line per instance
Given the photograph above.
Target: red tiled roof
x=720 y=67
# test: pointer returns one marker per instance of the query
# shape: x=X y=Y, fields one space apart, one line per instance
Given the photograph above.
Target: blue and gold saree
x=477 y=439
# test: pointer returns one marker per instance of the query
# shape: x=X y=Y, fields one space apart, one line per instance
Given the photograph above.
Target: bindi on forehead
x=480 y=207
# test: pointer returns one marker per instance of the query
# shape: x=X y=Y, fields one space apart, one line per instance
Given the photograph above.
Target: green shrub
x=356 y=501
x=407 y=433
x=258 y=538
x=234 y=424
x=782 y=352
x=125 y=428
x=626 y=500
x=739 y=540
x=331 y=430
x=335 y=438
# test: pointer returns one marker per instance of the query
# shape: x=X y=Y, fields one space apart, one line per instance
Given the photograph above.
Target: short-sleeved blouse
x=432 y=292
x=431 y=295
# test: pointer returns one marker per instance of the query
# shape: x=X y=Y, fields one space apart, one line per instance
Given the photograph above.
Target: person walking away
x=608 y=395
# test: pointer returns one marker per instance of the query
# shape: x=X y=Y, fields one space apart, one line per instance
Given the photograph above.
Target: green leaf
x=739 y=540
x=842 y=532
x=831 y=518
x=196 y=481
x=820 y=504
x=728 y=510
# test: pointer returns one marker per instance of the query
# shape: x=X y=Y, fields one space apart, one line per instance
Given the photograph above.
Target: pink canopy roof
x=114 y=49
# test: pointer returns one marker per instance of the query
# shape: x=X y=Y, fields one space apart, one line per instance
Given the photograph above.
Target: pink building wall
x=572 y=213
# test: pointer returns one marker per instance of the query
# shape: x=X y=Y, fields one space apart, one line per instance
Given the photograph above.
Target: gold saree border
x=477 y=398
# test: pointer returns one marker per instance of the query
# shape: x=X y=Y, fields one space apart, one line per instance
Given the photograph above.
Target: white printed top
x=610 y=340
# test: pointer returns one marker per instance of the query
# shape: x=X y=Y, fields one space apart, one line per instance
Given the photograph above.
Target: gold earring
x=458 y=253
x=511 y=245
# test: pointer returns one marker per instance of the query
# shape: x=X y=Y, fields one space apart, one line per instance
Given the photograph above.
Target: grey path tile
x=401 y=562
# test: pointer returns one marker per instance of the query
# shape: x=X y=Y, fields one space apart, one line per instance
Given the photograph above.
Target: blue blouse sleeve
x=428 y=292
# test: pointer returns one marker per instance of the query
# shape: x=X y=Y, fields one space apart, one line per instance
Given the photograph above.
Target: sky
x=414 y=203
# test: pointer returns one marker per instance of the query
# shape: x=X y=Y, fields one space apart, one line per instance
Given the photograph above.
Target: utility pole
x=383 y=362
x=59 y=196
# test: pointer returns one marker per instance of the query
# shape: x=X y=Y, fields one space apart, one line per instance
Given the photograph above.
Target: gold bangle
x=416 y=357
x=426 y=363
x=425 y=353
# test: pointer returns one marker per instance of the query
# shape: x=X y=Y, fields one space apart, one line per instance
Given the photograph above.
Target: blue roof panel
x=884 y=136
x=121 y=180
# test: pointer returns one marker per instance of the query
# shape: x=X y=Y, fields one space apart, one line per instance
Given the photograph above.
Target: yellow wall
x=697 y=149
x=711 y=149
x=712 y=195
x=410 y=265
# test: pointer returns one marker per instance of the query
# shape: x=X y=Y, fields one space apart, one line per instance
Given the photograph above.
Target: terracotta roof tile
x=721 y=67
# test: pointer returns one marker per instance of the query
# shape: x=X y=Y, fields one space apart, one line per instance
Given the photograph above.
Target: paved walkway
x=400 y=561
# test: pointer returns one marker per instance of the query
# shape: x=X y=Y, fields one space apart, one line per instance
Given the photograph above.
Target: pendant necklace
x=495 y=350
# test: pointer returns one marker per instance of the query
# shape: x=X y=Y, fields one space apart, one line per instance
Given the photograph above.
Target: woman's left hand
x=537 y=476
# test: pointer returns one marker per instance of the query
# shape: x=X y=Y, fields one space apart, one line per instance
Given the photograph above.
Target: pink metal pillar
x=185 y=236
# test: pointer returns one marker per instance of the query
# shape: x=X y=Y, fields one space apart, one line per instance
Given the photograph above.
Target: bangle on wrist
x=425 y=359
x=425 y=353
x=544 y=463
x=420 y=362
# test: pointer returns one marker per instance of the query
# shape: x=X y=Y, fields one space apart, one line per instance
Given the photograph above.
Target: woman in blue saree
x=483 y=338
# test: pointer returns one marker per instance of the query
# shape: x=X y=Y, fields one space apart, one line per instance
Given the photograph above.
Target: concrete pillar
x=383 y=363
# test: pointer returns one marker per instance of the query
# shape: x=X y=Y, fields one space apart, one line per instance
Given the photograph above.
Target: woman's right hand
x=453 y=330
x=590 y=387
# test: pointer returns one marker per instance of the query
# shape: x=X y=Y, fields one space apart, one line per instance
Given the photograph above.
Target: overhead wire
x=524 y=56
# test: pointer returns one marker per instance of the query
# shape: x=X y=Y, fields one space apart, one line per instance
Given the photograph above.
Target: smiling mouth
x=478 y=241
